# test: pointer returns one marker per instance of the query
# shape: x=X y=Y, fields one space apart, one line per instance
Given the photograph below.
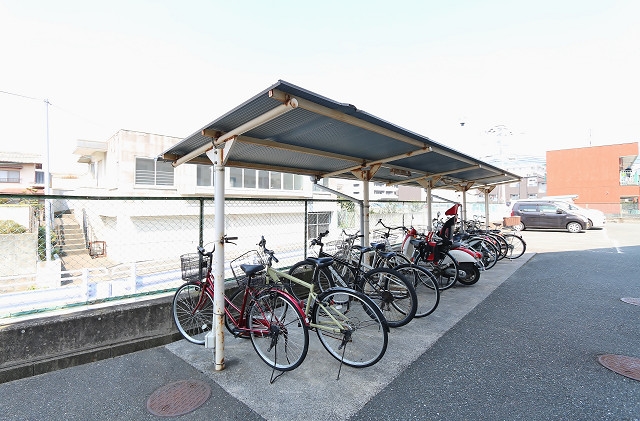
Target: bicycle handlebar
x=262 y=244
x=204 y=252
x=389 y=229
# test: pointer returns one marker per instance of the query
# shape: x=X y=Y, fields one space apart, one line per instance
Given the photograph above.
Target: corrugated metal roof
x=324 y=138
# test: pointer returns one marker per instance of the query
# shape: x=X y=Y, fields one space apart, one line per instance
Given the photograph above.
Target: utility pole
x=47 y=188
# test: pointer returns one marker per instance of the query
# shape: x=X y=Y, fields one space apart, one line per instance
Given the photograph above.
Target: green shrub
x=42 y=243
x=8 y=226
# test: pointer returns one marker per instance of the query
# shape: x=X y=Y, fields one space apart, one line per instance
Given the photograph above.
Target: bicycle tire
x=393 y=261
x=304 y=271
x=445 y=270
x=517 y=246
x=192 y=323
x=278 y=330
x=364 y=341
x=501 y=244
x=487 y=248
x=394 y=294
x=425 y=285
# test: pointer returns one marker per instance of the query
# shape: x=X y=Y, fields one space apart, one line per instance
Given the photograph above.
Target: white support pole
x=486 y=209
x=215 y=155
x=365 y=212
x=464 y=209
x=429 y=208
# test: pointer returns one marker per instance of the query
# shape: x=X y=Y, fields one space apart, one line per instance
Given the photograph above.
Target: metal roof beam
x=249 y=125
x=421 y=151
x=428 y=176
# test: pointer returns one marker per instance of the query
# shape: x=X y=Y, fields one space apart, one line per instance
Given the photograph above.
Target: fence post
x=85 y=284
x=132 y=279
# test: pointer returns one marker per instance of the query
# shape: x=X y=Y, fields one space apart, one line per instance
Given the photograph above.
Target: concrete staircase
x=70 y=237
x=71 y=243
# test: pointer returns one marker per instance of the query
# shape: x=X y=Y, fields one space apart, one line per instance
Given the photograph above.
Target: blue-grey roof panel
x=314 y=142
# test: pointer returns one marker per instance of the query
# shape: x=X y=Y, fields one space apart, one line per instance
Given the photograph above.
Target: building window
x=275 y=180
x=532 y=181
x=263 y=179
x=287 y=181
x=205 y=175
x=9 y=176
x=152 y=172
x=268 y=180
x=318 y=222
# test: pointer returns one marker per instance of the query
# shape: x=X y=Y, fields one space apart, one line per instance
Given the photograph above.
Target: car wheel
x=574 y=227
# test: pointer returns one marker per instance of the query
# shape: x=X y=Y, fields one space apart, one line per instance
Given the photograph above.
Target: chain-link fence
x=107 y=248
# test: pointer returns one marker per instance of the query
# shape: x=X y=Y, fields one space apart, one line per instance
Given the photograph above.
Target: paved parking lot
x=521 y=344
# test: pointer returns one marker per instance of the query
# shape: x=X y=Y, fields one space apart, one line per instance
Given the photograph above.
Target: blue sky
x=558 y=74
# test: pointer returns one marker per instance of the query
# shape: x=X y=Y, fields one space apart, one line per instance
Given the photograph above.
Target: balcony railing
x=628 y=178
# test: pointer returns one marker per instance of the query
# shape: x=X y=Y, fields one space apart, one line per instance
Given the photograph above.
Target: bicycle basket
x=333 y=247
x=252 y=257
x=194 y=266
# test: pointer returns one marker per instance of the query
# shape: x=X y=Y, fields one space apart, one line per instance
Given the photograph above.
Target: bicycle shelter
x=289 y=129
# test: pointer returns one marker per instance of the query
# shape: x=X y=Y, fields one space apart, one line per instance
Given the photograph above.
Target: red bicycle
x=257 y=310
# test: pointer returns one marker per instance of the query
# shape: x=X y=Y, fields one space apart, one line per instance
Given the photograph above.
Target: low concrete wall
x=37 y=346
x=18 y=253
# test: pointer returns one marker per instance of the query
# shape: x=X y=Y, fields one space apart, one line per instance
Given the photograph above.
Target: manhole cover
x=178 y=398
x=627 y=366
x=634 y=301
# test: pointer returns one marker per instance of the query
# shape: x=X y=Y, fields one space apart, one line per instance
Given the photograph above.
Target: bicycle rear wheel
x=426 y=289
x=392 y=292
x=350 y=327
x=279 y=334
x=193 y=316
x=445 y=270
x=516 y=244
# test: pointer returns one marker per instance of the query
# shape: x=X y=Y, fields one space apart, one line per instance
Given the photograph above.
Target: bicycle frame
x=275 y=276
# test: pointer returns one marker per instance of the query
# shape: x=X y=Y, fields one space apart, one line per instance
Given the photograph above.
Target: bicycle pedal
x=237 y=333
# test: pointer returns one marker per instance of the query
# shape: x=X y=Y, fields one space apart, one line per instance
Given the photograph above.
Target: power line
x=22 y=96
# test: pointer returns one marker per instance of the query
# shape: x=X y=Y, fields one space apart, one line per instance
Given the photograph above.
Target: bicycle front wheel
x=425 y=285
x=192 y=310
x=350 y=327
x=305 y=272
x=393 y=293
x=278 y=330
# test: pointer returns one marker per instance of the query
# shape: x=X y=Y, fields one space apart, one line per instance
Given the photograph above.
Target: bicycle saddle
x=320 y=261
x=251 y=270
